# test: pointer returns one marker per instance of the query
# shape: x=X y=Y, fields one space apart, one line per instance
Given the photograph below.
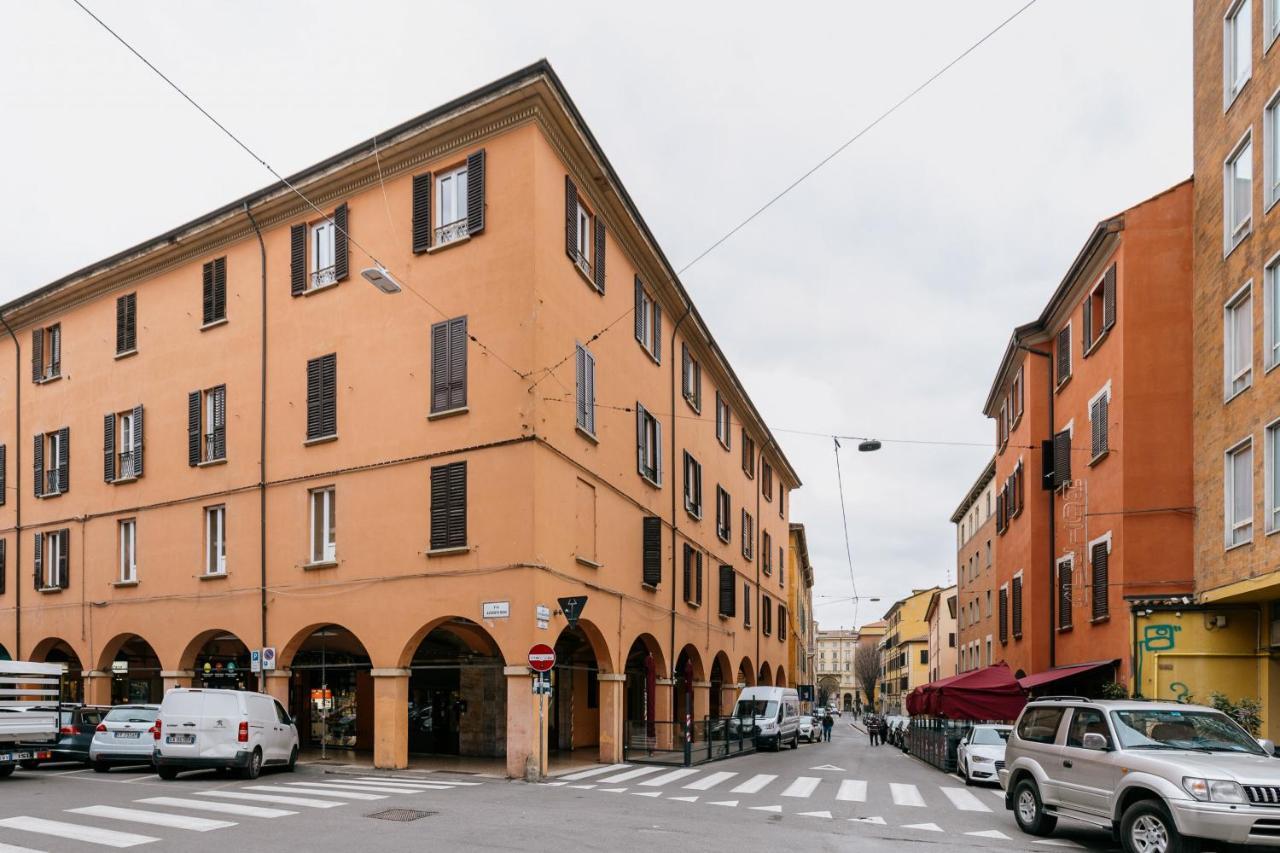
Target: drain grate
x=401 y=815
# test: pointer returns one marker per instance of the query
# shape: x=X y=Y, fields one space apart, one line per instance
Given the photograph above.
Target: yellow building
x=904 y=651
x=801 y=645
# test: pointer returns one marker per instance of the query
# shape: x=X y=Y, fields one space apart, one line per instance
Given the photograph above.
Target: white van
x=776 y=712
x=222 y=729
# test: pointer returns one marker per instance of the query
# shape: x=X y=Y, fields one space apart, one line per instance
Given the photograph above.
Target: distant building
x=834 y=668
x=975 y=525
x=904 y=650
x=941 y=617
x=801 y=639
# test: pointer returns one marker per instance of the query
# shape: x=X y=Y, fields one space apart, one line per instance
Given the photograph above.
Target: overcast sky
x=876 y=299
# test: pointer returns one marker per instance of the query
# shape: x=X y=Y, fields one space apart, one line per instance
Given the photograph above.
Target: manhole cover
x=401 y=815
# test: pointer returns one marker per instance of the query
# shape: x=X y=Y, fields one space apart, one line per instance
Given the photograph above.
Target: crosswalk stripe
x=586 y=787
x=172 y=821
x=905 y=795
x=730 y=803
x=343 y=795
x=852 y=790
x=628 y=775
x=708 y=782
x=816 y=814
x=927 y=827
x=646 y=793
x=76 y=832
x=754 y=784
x=964 y=800
x=684 y=799
x=13 y=848
x=989 y=833
x=220 y=808
x=669 y=777
x=553 y=784
x=613 y=790
x=594 y=771
x=766 y=808
x=272 y=798
x=878 y=821
x=360 y=784
x=387 y=781
x=359 y=788
x=804 y=786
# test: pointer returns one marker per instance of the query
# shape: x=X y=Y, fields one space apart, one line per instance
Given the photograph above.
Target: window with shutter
x=322 y=397
x=126 y=324
x=207 y=426
x=1017 y=607
x=449 y=506
x=1098 y=423
x=648 y=445
x=452 y=219
x=1004 y=614
x=1015 y=397
x=748 y=455
x=215 y=540
x=1063 y=360
x=584 y=237
x=728 y=605
x=746 y=605
x=4 y=474
x=1064 y=593
x=722 y=420
x=651 y=551
x=46 y=353
x=585 y=403
x=766 y=553
x=1100 y=555
x=52 y=463
x=648 y=322
x=766 y=481
x=449 y=366
x=724 y=512
x=748 y=534
x=4 y=564
x=691 y=378
x=1062 y=458
x=782 y=622
x=766 y=615
x=1002 y=523
x=692 y=485
x=692 y=575
x=213 y=303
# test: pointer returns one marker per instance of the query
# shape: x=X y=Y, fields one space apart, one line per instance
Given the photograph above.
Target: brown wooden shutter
x=1062 y=458
x=4 y=559
x=651 y=551
x=688 y=573
x=1046 y=464
x=126 y=322
x=341 y=222
x=1064 y=355
x=1086 y=337
x=109 y=448
x=37 y=355
x=64 y=558
x=193 y=428
x=1101 y=581
x=422 y=213
x=37 y=460
x=298 y=259
x=698 y=590
x=1017 y=607
x=4 y=474
x=55 y=349
x=639 y=311
x=206 y=294
x=137 y=440
x=570 y=219
x=457 y=362
x=449 y=506
x=1109 y=298
x=475 y=192
x=322 y=404
x=597 y=263
x=728 y=605
x=64 y=459
x=1004 y=615
x=220 y=422
x=38 y=560
x=657 y=331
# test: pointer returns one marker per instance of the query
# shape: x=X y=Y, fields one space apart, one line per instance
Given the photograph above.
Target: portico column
x=525 y=743
x=701 y=700
x=728 y=698
x=97 y=688
x=612 y=705
x=278 y=684
x=390 y=718
x=662 y=713
x=174 y=678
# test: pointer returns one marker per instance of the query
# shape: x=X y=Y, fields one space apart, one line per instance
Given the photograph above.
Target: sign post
x=541 y=659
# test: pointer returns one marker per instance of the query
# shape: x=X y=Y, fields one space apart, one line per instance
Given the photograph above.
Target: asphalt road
x=820 y=797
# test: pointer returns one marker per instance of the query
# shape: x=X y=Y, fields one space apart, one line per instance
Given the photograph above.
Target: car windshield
x=990 y=737
x=806 y=721
x=755 y=708
x=1199 y=731
x=132 y=715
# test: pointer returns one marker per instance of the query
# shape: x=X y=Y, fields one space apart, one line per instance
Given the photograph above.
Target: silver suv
x=1160 y=775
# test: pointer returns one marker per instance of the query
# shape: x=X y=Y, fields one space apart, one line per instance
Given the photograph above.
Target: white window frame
x=586 y=234
x=1270 y=150
x=1271 y=476
x=51 y=448
x=1233 y=233
x=648 y=327
x=124 y=445
x=1271 y=314
x=1270 y=23
x=451 y=186
x=692 y=485
x=215 y=540
x=1234 y=79
x=1233 y=374
x=127 y=530
x=585 y=418
x=1104 y=391
x=1231 y=524
x=723 y=420
x=651 y=448
x=52 y=546
x=323 y=501
x=322 y=246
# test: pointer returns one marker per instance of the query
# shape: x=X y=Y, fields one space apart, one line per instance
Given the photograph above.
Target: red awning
x=990 y=693
x=1049 y=676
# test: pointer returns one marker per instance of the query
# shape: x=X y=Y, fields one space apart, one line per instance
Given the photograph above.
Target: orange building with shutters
x=1092 y=405
x=536 y=440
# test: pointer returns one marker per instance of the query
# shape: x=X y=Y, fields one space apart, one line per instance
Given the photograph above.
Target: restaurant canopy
x=990 y=693
x=1063 y=673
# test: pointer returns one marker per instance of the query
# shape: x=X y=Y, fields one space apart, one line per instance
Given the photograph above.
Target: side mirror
x=1268 y=747
x=1095 y=741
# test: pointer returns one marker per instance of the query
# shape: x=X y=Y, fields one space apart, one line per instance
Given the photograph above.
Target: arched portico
x=134 y=670
x=766 y=675
x=780 y=679
x=58 y=650
x=584 y=709
x=330 y=688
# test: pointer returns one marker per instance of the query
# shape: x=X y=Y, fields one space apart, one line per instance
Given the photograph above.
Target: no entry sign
x=542 y=657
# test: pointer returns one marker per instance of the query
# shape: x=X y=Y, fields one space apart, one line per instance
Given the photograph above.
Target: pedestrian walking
x=828 y=723
x=873 y=730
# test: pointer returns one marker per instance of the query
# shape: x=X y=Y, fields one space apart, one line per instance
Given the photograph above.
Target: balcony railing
x=320 y=278
x=583 y=264
x=52 y=486
x=455 y=230
x=214 y=445
x=52 y=369
x=125 y=470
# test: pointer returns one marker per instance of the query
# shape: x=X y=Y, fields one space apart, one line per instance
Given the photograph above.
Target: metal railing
x=214 y=445
x=934 y=740
x=687 y=743
x=584 y=265
x=52 y=485
x=455 y=230
x=125 y=470
x=320 y=278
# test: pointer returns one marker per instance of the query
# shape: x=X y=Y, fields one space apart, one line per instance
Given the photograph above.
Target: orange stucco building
x=225 y=439
x=1104 y=512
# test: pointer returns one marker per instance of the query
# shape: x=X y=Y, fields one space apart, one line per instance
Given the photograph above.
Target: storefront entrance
x=331 y=691
x=135 y=674
x=457 y=693
x=223 y=662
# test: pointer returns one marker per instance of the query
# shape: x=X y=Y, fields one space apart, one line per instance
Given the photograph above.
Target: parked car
x=222 y=729
x=810 y=728
x=77 y=724
x=775 y=712
x=833 y=711
x=125 y=736
x=22 y=728
x=1164 y=776
x=980 y=754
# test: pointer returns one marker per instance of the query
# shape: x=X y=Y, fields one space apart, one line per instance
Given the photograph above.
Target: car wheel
x=29 y=764
x=168 y=774
x=1028 y=810
x=101 y=767
x=293 y=759
x=1146 y=827
x=7 y=770
x=254 y=768
x=795 y=741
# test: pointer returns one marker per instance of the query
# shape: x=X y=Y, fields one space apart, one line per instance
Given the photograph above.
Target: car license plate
x=182 y=739
x=134 y=735
x=24 y=756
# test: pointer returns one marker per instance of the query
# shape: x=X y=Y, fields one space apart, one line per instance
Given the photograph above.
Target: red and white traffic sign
x=542 y=657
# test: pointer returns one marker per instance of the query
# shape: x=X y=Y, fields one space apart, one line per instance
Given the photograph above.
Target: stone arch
x=828 y=690
x=4 y=653
x=747 y=672
x=724 y=686
x=331 y=685
x=686 y=676
x=766 y=675
x=472 y=634
x=58 y=650
x=208 y=649
x=577 y=716
x=781 y=678
x=643 y=665
x=134 y=667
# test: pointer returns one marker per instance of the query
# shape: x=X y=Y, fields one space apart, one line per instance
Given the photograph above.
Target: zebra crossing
x=192 y=808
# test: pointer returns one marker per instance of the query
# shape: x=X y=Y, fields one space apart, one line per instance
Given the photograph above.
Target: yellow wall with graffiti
x=1190 y=654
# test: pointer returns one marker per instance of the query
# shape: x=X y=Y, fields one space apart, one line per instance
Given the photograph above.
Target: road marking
x=1057 y=842
x=220 y=808
x=10 y=848
x=669 y=777
x=754 y=784
x=852 y=790
x=272 y=798
x=804 y=786
x=583 y=787
x=964 y=800
x=594 y=771
x=928 y=827
x=76 y=832
x=554 y=784
x=827 y=767
x=711 y=781
x=906 y=795
x=361 y=785
x=989 y=833
x=816 y=814
x=729 y=803
x=646 y=793
x=631 y=774
x=387 y=781
x=998 y=793
x=358 y=786
x=879 y=821
x=344 y=795
x=613 y=790
x=172 y=821
x=684 y=799
x=766 y=808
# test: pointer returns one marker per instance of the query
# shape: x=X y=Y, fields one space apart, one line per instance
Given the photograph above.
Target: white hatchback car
x=125 y=736
x=223 y=729
x=980 y=755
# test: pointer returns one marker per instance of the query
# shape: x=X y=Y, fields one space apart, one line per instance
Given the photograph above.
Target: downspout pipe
x=17 y=480
x=262 y=446
x=675 y=517
x=1053 y=545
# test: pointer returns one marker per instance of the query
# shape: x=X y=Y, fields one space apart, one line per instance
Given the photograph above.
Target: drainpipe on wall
x=17 y=479
x=675 y=523
x=1053 y=545
x=262 y=447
